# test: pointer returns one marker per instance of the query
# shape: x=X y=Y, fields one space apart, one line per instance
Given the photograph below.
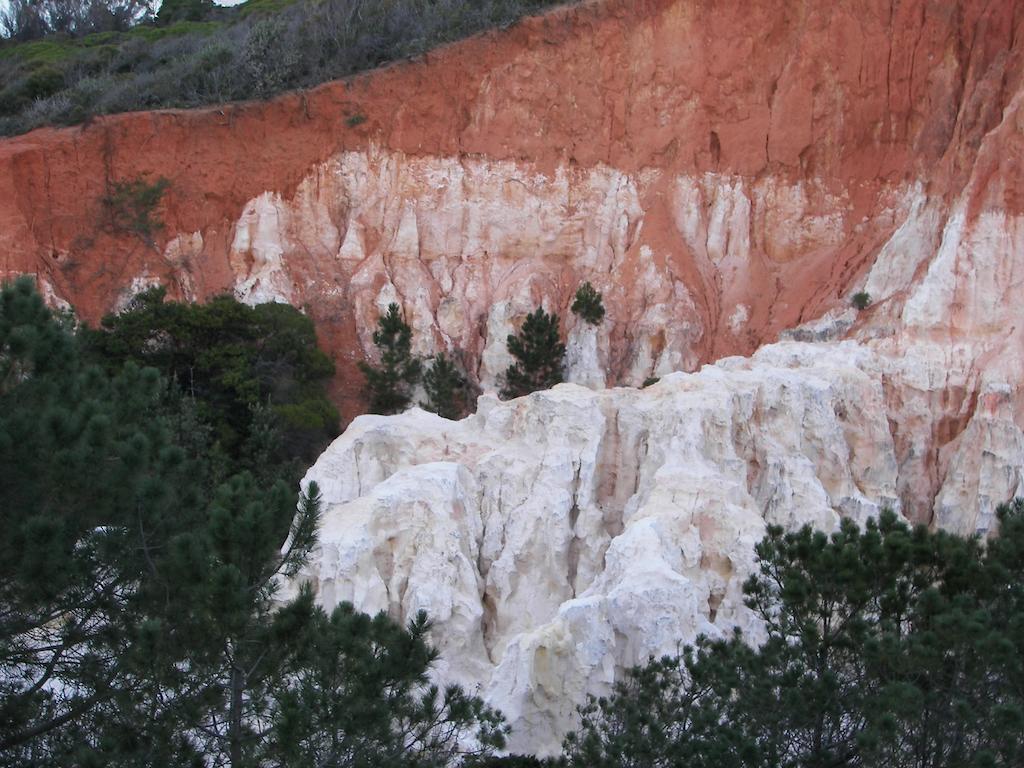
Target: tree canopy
x=247 y=369
x=448 y=391
x=141 y=618
x=389 y=384
x=539 y=354
x=588 y=304
x=887 y=646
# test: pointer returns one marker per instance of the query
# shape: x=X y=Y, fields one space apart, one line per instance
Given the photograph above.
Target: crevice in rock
x=356 y=451
x=574 y=542
x=383 y=558
x=614 y=474
x=483 y=564
x=714 y=601
x=489 y=624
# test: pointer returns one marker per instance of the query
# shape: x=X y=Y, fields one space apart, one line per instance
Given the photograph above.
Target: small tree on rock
x=588 y=304
x=539 y=352
x=861 y=300
x=446 y=387
x=390 y=384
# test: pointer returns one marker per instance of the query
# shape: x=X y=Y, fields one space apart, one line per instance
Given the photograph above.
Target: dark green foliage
x=861 y=300
x=650 y=381
x=668 y=712
x=513 y=761
x=447 y=389
x=91 y=483
x=44 y=81
x=225 y=577
x=131 y=205
x=196 y=53
x=172 y=11
x=539 y=353
x=250 y=371
x=588 y=304
x=362 y=699
x=389 y=385
x=885 y=647
x=141 y=621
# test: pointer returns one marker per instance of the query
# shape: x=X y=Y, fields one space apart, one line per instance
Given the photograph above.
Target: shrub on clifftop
x=447 y=389
x=539 y=353
x=389 y=385
x=588 y=304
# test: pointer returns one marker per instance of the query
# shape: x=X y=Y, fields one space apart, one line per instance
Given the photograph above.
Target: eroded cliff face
x=728 y=174
x=561 y=538
x=558 y=539
x=721 y=170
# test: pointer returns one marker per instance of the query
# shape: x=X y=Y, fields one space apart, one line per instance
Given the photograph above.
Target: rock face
x=560 y=538
x=721 y=171
x=728 y=174
x=557 y=538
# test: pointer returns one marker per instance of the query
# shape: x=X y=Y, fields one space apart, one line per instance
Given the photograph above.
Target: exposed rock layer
x=725 y=172
x=721 y=170
x=559 y=539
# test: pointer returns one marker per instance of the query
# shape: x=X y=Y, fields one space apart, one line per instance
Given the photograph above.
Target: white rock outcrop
x=560 y=538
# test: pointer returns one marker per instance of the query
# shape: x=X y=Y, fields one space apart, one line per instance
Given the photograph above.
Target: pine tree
x=588 y=304
x=140 y=618
x=362 y=698
x=246 y=369
x=539 y=353
x=91 y=485
x=861 y=300
x=446 y=388
x=887 y=646
x=244 y=644
x=390 y=384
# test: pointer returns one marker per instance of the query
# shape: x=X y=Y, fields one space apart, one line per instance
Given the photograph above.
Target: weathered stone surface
x=724 y=172
x=560 y=538
x=721 y=171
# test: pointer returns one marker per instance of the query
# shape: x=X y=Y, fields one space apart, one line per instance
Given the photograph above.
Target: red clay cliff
x=722 y=170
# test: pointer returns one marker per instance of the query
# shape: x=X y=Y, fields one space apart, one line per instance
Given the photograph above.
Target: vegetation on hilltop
x=194 y=53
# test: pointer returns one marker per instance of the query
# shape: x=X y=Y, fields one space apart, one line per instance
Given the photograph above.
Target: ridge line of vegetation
x=63 y=67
